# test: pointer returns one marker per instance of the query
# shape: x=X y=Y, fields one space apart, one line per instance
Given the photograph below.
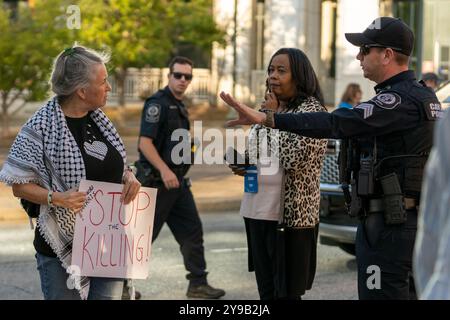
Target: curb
x=206 y=197
x=204 y=206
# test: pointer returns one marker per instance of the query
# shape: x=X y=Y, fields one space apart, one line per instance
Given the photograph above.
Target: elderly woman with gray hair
x=66 y=140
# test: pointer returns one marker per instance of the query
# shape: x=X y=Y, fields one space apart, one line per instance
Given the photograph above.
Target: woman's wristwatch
x=50 y=199
x=269 y=122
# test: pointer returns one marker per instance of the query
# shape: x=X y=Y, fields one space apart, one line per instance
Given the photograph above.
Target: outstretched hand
x=246 y=114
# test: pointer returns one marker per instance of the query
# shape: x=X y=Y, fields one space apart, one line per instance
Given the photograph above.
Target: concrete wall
x=293 y=23
x=222 y=58
x=353 y=16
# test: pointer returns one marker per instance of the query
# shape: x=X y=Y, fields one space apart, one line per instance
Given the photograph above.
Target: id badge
x=251 y=180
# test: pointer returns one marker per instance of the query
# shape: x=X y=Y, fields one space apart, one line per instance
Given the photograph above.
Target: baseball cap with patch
x=386 y=32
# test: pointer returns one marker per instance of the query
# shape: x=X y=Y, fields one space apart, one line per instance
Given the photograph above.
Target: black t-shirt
x=102 y=162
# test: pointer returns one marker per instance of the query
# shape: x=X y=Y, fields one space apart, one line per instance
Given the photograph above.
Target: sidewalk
x=214 y=187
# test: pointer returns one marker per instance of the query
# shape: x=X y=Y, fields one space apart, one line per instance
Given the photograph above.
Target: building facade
x=257 y=28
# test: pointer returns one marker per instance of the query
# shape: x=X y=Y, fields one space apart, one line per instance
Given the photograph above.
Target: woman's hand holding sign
x=131 y=187
x=70 y=199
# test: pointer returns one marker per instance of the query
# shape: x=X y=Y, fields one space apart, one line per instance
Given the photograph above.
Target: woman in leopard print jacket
x=288 y=193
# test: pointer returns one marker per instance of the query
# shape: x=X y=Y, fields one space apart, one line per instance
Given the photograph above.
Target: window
x=408 y=11
x=328 y=36
x=257 y=37
x=444 y=63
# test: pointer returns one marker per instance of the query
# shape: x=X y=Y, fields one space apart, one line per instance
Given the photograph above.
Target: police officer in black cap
x=389 y=139
x=163 y=165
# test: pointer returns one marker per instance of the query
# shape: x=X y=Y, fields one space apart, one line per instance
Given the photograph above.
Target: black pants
x=261 y=242
x=299 y=266
x=384 y=255
x=177 y=208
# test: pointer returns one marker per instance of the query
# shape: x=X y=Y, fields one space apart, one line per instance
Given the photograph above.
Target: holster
x=147 y=175
x=356 y=207
x=394 y=208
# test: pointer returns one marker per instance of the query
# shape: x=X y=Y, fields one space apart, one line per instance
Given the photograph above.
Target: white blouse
x=265 y=204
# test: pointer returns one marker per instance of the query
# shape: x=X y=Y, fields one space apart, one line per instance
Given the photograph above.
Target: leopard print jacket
x=301 y=158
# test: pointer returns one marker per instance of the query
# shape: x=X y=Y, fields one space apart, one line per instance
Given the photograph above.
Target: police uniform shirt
x=401 y=117
x=389 y=111
x=162 y=114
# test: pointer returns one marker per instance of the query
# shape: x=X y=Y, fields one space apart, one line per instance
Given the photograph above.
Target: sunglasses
x=365 y=49
x=179 y=75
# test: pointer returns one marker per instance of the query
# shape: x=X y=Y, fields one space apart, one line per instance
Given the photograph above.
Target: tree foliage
x=30 y=38
x=136 y=32
x=146 y=32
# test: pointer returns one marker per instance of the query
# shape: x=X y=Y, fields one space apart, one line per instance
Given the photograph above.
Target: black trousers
x=261 y=242
x=264 y=254
x=177 y=208
x=384 y=255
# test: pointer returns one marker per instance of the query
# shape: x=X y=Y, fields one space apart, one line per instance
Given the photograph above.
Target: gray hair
x=72 y=69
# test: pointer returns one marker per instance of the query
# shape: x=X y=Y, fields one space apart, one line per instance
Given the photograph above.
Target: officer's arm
x=150 y=152
x=366 y=119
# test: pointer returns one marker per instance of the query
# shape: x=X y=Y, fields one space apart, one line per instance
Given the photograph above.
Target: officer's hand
x=131 y=187
x=170 y=179
x=237 y=170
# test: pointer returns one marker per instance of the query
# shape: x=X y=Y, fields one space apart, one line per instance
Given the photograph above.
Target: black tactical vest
x=177 y=118
x=405 y=152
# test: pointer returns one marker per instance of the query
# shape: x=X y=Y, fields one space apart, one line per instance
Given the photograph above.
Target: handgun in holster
x=356 y=206
x=394 y=208
x=147 y=175
x=365 y=177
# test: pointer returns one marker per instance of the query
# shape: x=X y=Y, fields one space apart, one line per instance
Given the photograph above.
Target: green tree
x=191 y=23
x=29 y=41
x=146 y=32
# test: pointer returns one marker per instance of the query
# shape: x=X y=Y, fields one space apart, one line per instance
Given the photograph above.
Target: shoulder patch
x=367 y=107
x=433 y=110
x=153 y=112
x=388 y=100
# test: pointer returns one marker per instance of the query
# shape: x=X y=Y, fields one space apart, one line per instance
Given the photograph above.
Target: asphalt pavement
x=218 y=194
x=226 y=257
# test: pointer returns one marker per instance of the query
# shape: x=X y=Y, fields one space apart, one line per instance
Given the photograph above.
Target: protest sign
x=112 y=239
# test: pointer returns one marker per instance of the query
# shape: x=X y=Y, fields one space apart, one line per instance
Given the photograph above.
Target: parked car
x=337 y=228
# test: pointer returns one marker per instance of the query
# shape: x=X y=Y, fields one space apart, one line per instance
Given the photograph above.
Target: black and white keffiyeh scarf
x=45 y=152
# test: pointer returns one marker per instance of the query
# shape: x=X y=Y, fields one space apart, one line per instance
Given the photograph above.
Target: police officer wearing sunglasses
x=387 y=140
x=163 y=114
